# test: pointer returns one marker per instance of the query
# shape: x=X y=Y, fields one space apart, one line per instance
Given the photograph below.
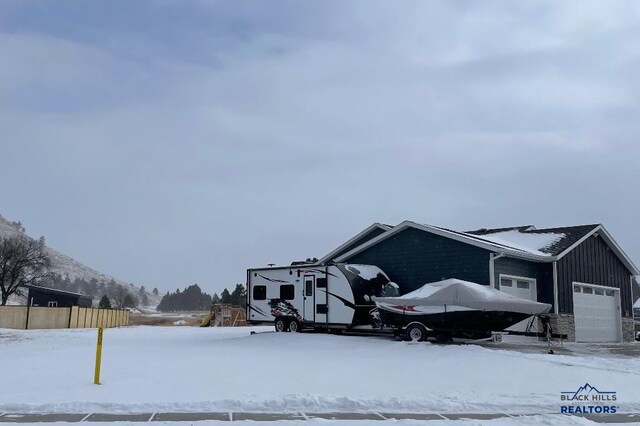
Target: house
x=580 y=270
x=43 y=296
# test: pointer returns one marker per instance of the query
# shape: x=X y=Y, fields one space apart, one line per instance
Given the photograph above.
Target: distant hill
x=70 y=270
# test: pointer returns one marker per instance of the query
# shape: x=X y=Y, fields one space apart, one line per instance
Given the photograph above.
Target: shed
x=44 y=296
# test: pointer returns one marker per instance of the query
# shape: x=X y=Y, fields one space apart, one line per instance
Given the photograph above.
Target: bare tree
x=119 y=296
x=23 y=261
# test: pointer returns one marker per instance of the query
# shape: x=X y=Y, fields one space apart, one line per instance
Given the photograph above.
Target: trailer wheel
x=293 y=326
x=281 y=324
x=416 y=333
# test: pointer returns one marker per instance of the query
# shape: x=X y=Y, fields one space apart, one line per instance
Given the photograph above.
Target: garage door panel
x=596 y=313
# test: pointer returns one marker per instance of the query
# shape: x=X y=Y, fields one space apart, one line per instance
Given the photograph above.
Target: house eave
x=329 y=256
x=474 y=241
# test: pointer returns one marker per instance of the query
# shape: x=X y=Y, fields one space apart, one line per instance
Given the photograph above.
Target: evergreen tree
x=238 y=297
x=191 y=299
x=142 y=296
x=155 y=291
x=225 y=296
x=105 y=303
x=129 y=301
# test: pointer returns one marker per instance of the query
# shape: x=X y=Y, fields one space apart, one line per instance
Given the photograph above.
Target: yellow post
x=96 y=377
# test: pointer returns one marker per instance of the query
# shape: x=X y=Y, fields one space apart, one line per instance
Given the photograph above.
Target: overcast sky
x=173 y=142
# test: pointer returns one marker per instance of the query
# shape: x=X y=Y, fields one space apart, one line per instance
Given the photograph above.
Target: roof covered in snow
x=549 y=241
x=528 y=242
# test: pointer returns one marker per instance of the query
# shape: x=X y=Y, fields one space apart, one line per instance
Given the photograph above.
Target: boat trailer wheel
x=416 y=333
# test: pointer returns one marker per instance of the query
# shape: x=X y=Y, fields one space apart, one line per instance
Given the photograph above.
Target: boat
x=455 y=308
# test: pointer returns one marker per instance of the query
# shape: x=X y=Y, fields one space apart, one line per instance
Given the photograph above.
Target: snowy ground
x=216 y=369
x=542 y=420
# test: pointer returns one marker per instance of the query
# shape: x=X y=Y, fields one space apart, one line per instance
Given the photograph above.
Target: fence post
x=26 y=325
x=70 y=315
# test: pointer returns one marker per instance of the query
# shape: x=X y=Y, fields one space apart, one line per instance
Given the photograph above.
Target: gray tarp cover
x=467 y=294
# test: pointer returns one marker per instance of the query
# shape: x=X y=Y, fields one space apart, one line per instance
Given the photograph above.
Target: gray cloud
x=185 y=143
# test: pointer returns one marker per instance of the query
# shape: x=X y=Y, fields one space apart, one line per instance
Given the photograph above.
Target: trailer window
x=308 y=288
x=287 y=292
x=321 y=282
x=259 y=292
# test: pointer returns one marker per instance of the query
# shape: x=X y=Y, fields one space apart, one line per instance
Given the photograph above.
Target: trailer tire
x=281 y=325
x=416 y=333
x=293 y=327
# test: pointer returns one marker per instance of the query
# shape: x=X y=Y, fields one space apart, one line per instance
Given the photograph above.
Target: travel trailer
x=331 y=297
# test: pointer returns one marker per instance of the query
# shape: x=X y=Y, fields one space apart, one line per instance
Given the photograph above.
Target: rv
x=361 y=298
x=329 y=297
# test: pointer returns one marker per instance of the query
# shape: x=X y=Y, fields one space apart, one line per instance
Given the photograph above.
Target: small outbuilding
x=43 y=296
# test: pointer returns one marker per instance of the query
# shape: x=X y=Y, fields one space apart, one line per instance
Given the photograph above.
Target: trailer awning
x=454 y=292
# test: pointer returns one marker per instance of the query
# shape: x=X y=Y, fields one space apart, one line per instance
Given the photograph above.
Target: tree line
x=193 y=298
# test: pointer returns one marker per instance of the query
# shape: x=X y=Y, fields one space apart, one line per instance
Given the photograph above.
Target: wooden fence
x=40 y=317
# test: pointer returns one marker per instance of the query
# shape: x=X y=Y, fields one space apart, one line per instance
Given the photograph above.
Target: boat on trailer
x=455 y=308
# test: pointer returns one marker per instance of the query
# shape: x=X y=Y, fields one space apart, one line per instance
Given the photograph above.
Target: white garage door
x=524 y=288
x=596 y=312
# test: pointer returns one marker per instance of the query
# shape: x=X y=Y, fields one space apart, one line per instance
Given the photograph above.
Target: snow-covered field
x=218 y=369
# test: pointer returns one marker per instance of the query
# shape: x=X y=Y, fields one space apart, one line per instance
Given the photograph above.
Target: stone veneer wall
x=628 y=330
x=563 y=324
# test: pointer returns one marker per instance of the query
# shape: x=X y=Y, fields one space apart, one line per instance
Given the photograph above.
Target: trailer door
x=322 y=308
x=309 y=298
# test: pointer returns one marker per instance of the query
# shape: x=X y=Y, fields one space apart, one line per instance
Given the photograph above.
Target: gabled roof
x=525 y=242
x=56 y=291
x=447 y=233
x=485 y=231
x=567 y=236
x=375 y=227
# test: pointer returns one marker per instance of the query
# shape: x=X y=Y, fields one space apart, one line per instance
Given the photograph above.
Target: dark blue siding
x=593 y=262
x=368 y=236
x=541 y=272
x=412 y=258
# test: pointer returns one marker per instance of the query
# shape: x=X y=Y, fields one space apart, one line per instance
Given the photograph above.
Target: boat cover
x=454 y=292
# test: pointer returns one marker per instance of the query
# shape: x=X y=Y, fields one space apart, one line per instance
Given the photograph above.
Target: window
x=522 y=284
x=321 y=282
x=577 y=289
x=322 y=309
x=259 y=292
x=52 y=304
x=610 y=293
x=505 y=283
x=308 y=288
x=587 y=290
x=599 y=291
x=287 y=292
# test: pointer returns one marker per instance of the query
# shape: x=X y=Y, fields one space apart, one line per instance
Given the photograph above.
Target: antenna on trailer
x=270 y=265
